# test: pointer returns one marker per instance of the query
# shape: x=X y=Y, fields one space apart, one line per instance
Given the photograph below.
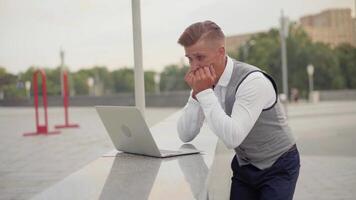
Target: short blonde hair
x=206 y=30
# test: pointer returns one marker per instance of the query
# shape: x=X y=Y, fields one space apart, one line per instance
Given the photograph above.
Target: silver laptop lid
x=128 y=130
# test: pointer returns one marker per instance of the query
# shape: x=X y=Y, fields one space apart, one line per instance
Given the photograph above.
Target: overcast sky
x=99 y=32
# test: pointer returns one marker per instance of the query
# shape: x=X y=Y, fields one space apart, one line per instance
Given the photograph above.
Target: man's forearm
x=226 y=128
x=190 y=121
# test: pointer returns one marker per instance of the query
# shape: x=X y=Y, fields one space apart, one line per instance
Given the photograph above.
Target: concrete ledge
x=337 y=95
x=166 y=99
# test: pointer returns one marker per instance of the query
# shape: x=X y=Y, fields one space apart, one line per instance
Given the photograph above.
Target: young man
x=240 y=105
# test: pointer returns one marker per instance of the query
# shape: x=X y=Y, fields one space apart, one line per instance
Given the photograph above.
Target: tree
x=150 y=81
x=10 y=87
x=327 y=73
x=123 y=80
x=102 y=80
x=301 y=51
x=172 y=78
x=80 y=82
x=53 y=80
x=6 y=78
x=347 y=60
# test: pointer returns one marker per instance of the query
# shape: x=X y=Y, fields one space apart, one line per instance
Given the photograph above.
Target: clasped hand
x=200 y=78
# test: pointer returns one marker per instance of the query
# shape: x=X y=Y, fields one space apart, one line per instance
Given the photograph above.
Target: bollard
x=65 y=89
x=40 y=129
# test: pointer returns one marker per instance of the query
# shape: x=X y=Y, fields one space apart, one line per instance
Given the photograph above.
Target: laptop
x=129 y=132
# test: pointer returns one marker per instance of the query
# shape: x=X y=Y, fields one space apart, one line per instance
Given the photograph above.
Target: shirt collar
x=226 y=75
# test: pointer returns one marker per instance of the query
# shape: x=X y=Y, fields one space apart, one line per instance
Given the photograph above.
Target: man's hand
x=200 y=79
x=189 y=79
x=204 y=78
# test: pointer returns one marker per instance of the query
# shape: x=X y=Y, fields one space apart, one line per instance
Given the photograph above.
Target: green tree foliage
x=123 y=80
x=9 y=85
x=101 y=77
x=327 y=73
x=53 y=81
x=80 y=82
x=347 y=61
x=264 y=51
x=6 y=78
x=172 y=78
x=150 y=84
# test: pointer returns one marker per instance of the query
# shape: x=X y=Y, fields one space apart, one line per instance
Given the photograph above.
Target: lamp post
x=28 y=87
x=246 y=48
x=157 y=78
x=90 y=82
x=284 y=35
x=137 y=39
x=61 y=54
x=310 y=71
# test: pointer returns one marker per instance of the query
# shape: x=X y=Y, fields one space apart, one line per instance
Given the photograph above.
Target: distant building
x=354 y=22
x=234 y=42
x=334 y=26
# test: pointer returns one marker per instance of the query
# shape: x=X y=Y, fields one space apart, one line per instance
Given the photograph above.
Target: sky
x=99 y=32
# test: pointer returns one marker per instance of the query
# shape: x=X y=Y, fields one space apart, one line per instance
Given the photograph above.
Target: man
x=240 y=105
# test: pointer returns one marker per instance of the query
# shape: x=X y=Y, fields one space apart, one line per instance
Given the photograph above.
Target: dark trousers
x=276 y=182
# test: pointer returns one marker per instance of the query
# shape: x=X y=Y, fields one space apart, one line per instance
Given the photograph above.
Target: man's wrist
x=206 y=97
x=195 y=92
x=203 y=93
x=194 y=95
x=191 y=99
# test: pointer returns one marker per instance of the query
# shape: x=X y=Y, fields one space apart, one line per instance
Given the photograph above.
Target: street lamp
x=284 y=21
x=137 y=40
x=157 y=79
x=28 y=87
x=246 y=48
x=310 y=71
x=90 y=82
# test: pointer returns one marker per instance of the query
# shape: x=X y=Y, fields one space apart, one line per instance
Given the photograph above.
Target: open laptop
x=130 y=133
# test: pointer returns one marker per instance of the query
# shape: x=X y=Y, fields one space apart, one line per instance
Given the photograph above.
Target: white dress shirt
x=254 y=94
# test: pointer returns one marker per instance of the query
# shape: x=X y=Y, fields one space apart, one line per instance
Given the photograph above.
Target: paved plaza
x=326 y=134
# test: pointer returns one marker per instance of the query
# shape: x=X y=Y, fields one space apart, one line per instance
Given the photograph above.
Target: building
x=334 y=27
x=234 y=42
x=354 y=23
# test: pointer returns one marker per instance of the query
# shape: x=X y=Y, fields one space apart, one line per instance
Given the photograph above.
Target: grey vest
x=271 y=136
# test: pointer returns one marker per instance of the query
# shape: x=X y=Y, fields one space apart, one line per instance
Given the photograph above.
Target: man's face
x=203 y=54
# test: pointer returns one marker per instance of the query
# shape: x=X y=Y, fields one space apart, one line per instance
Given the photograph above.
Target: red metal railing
x=66 y=103
x=40 y=129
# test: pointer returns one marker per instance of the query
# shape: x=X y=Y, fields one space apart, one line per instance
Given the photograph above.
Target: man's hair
x=206 y=30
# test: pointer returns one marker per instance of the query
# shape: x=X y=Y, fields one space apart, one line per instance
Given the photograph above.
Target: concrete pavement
x=28 y=165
